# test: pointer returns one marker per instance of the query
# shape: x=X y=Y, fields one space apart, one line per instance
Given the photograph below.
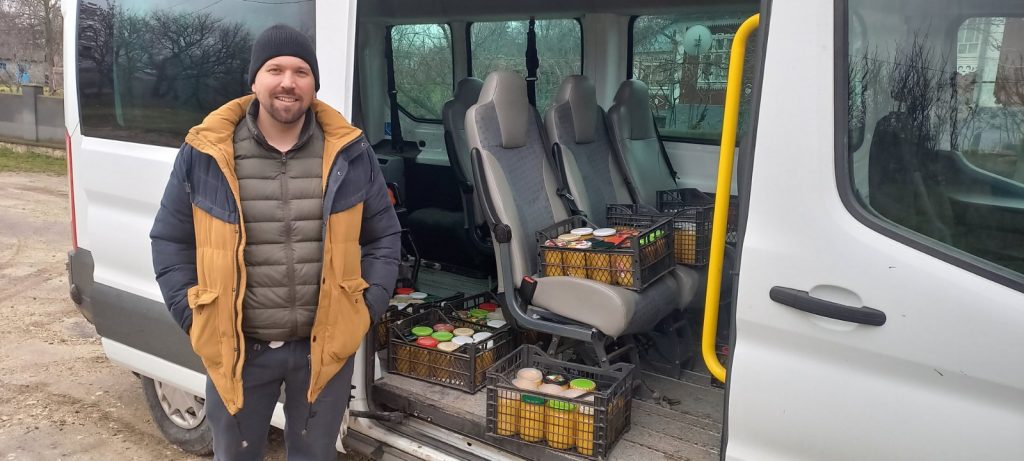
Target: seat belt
x=563 y=180
x=396 y=122
x=532 y=63
x=664 y=154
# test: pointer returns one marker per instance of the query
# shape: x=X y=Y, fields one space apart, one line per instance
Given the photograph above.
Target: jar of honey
x=531 y=418
x=560 y=424
x=585 y=429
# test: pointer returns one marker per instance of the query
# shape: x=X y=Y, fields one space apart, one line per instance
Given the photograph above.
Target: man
x=274 y=247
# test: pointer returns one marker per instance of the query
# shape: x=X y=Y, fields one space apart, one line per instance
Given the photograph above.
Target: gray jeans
x=310 y=432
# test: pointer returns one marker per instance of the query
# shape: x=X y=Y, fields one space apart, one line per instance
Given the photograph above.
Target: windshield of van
x=936 y=120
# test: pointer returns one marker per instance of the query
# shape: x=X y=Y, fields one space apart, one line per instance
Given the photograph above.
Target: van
x=867 y=304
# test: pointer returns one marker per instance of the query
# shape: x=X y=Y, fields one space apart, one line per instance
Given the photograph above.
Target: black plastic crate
x=633 y=264
x=691 y=228
x=457 y=308
x=464 y=369
x=588 y=425
x=678 y=199
x=382 y=328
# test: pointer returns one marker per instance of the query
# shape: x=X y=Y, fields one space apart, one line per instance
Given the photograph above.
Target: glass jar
x=560 y=424
x=531 y=418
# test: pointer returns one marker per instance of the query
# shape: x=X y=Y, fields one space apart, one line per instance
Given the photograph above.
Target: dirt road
x=61 y=398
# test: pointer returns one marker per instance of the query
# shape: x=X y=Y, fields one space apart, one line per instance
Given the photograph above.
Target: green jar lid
x=478 y=313
x=560 y=405
x=442 y=336
x=583 y=384
x=422 y=330
x=532 y=399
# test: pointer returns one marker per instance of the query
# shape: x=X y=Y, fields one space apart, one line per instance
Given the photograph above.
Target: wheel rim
x=185 y=410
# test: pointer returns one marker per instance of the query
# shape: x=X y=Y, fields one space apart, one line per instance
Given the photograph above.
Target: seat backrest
x=576 y=124
x=514 y=163
x=636 y=141
x=453 y=115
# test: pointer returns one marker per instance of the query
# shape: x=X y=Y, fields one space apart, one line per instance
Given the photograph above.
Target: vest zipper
x=235 y=371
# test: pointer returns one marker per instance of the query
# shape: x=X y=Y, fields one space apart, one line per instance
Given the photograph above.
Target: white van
x=874 y=301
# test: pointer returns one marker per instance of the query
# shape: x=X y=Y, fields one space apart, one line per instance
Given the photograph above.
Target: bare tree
x=39 y=24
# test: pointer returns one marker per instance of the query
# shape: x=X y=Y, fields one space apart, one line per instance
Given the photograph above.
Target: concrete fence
x=31 y=117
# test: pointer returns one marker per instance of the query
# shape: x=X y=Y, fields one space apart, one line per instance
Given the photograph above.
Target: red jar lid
x=427 y=341
x=404 y=291
x=489 y=307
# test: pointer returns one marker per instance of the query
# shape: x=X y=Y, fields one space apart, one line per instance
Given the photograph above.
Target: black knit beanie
x=282 y=40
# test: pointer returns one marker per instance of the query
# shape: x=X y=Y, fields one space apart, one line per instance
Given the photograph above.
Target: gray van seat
x=576 y=124
x=513 y=166
x=636 y=141
x=453 y=234
x=453 y=115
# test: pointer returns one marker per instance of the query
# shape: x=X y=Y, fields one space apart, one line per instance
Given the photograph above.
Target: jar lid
x=444 y=327
x=572 y=393
x=560 y=405
x=583 y=384
x=489 y=307
x=403 y=291
x=427 y=341
x=481 y=336
x=442 y=336
x=582 y=231
x=587 y=409
x=447 y=346
x=580 y=245
x=463 y=332
x=478 y=313
x=568 y=237
x=418 y=295
x=532 y=399
x=556 y=379
x=523 y=383
x=460 y=340
x=604 y=232
x=530 y=374
x=550 y=389
x=421 y=330
x=496 y=323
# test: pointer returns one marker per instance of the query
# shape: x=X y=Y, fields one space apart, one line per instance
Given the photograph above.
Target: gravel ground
x=62 y=399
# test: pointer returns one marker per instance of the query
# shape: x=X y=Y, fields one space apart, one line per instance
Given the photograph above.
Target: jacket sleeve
x=174 y=243
x=380 y=238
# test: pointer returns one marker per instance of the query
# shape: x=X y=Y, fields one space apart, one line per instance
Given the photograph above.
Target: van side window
x=941 y=116
x=423 y=68
x=684 y=60
x=150 y=71
x=502 y=46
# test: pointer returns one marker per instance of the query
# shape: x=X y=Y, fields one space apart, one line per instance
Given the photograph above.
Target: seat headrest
x=578 y=91
x=507 y=91
x=634 y=96
x=467 y=91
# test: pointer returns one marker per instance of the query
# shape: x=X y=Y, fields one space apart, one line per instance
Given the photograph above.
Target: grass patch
x=31 y=162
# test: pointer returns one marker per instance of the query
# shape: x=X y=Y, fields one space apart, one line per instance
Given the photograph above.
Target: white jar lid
x=605 y=232
x=582 y=231
x=417 y=295
x=481 y=336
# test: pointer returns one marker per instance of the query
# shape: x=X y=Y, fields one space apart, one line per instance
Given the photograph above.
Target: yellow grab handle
x=722 y=193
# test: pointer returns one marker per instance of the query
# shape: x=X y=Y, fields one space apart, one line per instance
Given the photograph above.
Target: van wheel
x=180 y=416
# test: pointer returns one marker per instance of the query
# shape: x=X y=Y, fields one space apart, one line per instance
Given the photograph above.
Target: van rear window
x=148 y=70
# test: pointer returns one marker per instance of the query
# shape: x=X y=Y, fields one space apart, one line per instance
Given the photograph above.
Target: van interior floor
x=689 y=429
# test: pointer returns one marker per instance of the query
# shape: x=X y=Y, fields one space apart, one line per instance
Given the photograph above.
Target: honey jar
x=560 y=424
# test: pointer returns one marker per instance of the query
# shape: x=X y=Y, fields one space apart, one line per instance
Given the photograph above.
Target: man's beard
x=282 y=115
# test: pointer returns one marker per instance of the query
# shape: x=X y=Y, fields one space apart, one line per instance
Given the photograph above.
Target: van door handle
x=803 y=301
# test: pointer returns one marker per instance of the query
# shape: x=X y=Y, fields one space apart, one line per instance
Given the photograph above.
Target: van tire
x=196 y=440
